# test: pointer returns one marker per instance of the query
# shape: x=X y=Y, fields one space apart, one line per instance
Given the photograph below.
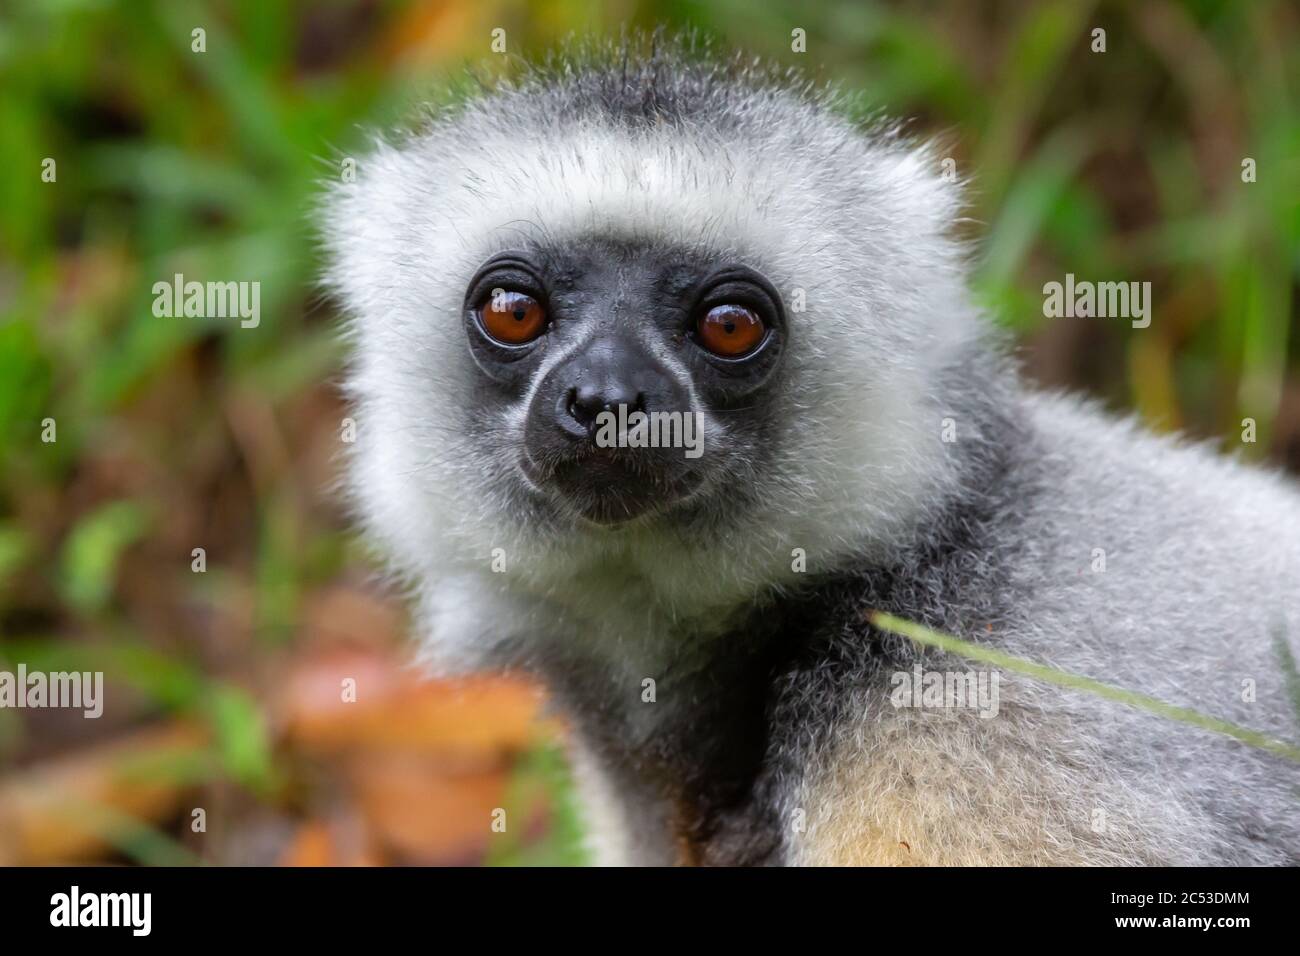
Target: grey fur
x=772 y=689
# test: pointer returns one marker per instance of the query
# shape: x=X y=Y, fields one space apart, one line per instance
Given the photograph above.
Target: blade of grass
x=987 y=655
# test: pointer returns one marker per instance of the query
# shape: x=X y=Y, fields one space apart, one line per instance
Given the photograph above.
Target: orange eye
x=730 y=331
x=512 y=317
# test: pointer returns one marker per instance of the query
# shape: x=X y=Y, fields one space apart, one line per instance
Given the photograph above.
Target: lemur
x=658 y=230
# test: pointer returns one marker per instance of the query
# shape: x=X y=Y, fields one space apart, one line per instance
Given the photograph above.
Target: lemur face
x=617 y=354
x=683 y=239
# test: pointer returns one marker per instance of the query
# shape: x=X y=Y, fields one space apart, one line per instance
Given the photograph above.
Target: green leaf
x=93 y=550
x=15 y=546
x=242 y=739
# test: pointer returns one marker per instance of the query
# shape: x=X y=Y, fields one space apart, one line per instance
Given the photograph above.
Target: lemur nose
x=612 y=371
x=584 y=404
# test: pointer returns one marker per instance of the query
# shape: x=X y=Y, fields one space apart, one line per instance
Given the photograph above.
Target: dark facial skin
x=627 y=320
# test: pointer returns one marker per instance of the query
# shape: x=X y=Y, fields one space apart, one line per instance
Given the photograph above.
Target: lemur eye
x=730 y=331
x=512 y=317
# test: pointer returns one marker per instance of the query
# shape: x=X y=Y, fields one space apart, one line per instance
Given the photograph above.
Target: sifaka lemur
x=662 y=232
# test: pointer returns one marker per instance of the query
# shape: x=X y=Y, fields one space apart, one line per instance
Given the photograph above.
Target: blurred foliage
x=174 y=434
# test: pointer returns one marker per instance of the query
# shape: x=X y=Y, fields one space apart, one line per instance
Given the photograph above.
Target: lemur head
x=658 y=233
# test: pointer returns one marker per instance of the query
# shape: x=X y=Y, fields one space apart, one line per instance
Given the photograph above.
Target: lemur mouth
x=609 y=487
